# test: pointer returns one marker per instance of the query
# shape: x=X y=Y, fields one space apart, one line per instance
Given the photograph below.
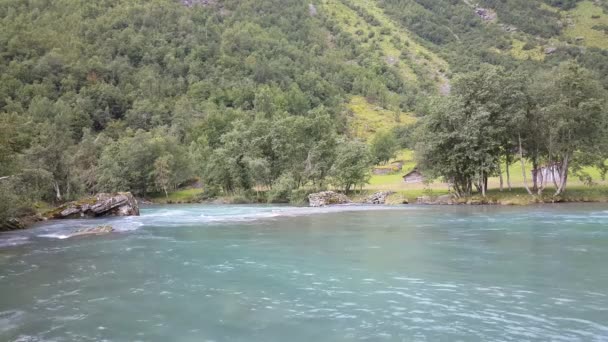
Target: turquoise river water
x=272 y=273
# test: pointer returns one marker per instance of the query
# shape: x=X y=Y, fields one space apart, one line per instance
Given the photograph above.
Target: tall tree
x=384 y=147
x=572 y=105
x=352 y=165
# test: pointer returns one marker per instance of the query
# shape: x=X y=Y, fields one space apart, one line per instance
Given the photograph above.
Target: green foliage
x=383 y=147
x=282 y=189
x=352 y=165
x=144 y=96
x=559 y=119
x=465 y=134
x=143 y=162
x=572 y=105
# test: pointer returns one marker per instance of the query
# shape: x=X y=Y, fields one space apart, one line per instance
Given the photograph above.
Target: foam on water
x=174 y=216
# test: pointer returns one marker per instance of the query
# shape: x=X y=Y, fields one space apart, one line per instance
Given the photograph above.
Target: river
x=273 y=273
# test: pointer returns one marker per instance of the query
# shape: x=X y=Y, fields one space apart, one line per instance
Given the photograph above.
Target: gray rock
x=485 y=13
x=324 y=198
x=103 y=204
x=11 y=224
x=312 y=10
x=443 y=200
x=424 y=200
x=378 y=197
x=191 y=3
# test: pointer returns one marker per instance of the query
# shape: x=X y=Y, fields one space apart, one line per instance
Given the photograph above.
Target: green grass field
x=583 y=17
x=367 y=118
x=183 y=195
x=394 y=44
x=517 y=51
x=395 y=181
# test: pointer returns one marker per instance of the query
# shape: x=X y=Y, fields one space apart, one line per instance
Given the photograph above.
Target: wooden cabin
x=413 y=177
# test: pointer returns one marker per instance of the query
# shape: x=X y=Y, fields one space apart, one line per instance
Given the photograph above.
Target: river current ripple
x=272 y=273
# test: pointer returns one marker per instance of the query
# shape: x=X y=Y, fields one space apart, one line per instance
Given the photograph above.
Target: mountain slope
x=144 y=95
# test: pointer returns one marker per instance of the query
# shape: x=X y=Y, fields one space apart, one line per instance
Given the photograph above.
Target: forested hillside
x=246 y=95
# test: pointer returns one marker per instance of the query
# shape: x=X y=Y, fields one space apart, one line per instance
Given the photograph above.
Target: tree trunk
x=508 y=162
x=508 y=175
x=523 y=168
x=541 y=181
x=553 y=176
x=483 y=185
x=57 y=191
x=485 y=181
x=500 y=176
x=534 y=175
x=563 y=176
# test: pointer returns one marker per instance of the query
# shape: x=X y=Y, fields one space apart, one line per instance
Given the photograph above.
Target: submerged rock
x=103 y=204
x=99 y=230
x=321 y=199
x=378 y=197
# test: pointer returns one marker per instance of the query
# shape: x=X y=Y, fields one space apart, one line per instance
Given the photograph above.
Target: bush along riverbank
x=517 y=196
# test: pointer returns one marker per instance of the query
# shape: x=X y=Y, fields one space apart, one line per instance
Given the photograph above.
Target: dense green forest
x=244 y=96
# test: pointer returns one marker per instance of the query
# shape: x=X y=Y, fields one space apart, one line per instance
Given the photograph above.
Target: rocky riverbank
x=103 y=204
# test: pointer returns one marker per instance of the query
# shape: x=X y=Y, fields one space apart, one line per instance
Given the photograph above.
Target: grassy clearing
x=584 y=17
x=518 y=52
x=396 y=45
x=368 y=119
x=549 y=7
x=418 y=51
x=574 y=193
x=394 y=180
x=179 y=196
x=577 y=191
x=351 y=22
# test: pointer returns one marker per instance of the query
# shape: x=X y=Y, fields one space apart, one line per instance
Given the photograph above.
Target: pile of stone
x=485 y=14
x=325 y=198
x=378 y=197
x=550 y=50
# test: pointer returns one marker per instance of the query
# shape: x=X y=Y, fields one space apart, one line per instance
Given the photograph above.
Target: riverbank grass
x=179 y=196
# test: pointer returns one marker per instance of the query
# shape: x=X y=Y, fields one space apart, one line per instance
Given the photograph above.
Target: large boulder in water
x=103 y=204
x=321 y=199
